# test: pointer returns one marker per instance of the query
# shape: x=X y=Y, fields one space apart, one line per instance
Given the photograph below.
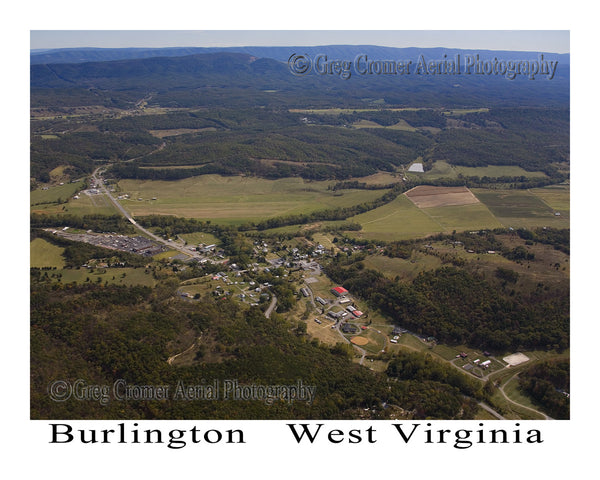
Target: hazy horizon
x=551 y=41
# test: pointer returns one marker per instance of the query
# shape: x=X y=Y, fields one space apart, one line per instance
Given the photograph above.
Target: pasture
x=520 y=208
x=400 y=219
x=44 y=254
x=54 y=194
x=111 y=276
x=235 y=200
x=84 y=205
x=556 y=197
x=442 y=169
x=399 y=267
x=463 y=217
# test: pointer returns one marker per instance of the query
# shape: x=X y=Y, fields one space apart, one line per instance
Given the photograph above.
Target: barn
x=339 y=291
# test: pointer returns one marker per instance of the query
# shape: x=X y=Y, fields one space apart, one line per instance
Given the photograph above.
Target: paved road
x=97 y=179
x=491 y=410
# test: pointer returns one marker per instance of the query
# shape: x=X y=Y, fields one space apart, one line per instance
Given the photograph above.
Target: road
x=98 y=180
x=491 y=410
x=501 y=388
x=271 y=307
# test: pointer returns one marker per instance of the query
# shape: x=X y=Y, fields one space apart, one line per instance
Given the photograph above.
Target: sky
x=554 y=41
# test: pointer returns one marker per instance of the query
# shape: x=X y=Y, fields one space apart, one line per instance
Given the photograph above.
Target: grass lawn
x=200 y=237
x=166 y=255
x=44 y=254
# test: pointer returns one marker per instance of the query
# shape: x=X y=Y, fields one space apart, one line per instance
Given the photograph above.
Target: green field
x=557 y=197
x=84 y=205
x=442 y=169
x=44 y=254
x=54 y=194
x=234 y=200
x=200 y=237
x=520 y=208
x=463 y=217
x=117 y=276
x=397 y=220
x=498 y=171
x=463 y=111
x=405 y=269
x=401 y=125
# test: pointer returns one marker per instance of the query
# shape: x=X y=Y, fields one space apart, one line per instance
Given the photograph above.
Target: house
x=357 y=313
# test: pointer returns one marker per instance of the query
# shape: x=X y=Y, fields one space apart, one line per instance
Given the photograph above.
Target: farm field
x=405 y=269
x=54 y=194
x=497 y=171
x=464 y=217
x=380 y=178
x=401 y=125
x=234 y=200
x=426 y=196
x=557 y=197
x=44 y=254
x=399 y=219
x=519 y=208
x=116 y=276
x=442 y=169
x=84 y=205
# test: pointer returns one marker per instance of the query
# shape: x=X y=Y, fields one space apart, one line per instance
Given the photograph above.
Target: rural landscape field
x=209 y=216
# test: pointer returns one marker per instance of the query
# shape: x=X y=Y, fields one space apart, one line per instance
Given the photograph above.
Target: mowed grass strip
x=44 y=254
x=233 y=200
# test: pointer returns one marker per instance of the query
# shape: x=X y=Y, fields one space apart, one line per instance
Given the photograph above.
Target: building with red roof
x=339 y=291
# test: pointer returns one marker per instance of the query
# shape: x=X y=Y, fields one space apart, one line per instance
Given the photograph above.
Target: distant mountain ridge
x=235 y=79
x=343 y=52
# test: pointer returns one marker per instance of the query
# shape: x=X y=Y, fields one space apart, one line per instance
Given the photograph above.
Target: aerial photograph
x=300 y=225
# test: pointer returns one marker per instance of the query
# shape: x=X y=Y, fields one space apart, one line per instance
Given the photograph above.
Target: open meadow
x=234 y=200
